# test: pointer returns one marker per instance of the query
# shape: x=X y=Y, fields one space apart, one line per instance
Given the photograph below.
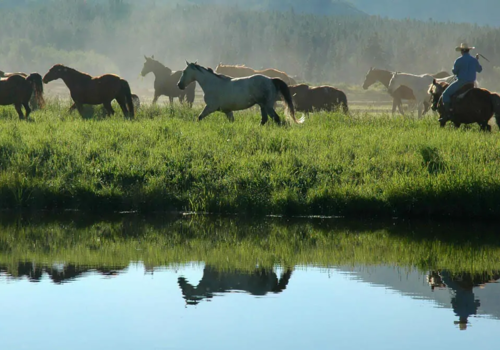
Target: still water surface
x=198 y=306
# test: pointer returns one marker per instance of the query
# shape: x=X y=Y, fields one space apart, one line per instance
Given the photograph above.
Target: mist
x=336 y=47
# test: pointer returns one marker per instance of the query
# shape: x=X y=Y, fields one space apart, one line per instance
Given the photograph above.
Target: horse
x=419 y=84
x=402 y=93
x=85 y=89
x=258 y=282
x=241 y=71
x=166 y=82
x=33 y=102
x=307 y=98
x=470 y=105
x=226 y=94
x=18 y=90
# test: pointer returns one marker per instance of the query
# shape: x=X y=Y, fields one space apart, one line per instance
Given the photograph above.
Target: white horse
x=226 y=94
x=418 y=83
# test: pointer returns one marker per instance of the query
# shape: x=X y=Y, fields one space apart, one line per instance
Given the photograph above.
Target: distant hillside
x=316 y=7
x=482 y=12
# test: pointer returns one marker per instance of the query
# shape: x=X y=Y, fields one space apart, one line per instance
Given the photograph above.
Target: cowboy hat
x=464 y=46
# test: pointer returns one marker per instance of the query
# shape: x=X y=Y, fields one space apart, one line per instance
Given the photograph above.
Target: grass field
x=239 y=244
x=360 y=165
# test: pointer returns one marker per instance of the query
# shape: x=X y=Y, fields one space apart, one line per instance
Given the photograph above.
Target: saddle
x=463 y=91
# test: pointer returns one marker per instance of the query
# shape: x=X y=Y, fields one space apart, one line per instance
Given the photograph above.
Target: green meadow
x=359 y=165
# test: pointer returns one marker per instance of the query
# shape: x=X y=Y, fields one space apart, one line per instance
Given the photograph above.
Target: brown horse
x=241 y=71
x=402 y=93
x=17 y=90
x=166 y=82
x=33 y=102
x=469 y=104
x=85 y=89
x=307 y=98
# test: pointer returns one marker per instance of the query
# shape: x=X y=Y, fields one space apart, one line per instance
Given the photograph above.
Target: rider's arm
x=456 y=67
x=479 y=67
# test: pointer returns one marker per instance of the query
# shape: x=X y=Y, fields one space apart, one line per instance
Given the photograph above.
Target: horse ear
x=434 y=81
x=196 y=62
x=187 y=63
x=145 y=57
x=153 y=56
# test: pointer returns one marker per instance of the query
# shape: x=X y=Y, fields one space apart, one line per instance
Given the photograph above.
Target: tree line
x=112 y=36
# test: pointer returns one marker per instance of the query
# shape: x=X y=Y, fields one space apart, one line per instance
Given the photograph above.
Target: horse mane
x=72 y=70
x=442 y=84
x=159 y=63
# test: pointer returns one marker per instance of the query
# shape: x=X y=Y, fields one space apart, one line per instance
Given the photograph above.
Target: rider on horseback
x=465 y=69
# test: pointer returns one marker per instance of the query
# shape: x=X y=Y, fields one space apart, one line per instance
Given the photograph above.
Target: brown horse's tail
x=35 y=80
x=495 y=101
x=282 y=87
x=125 y=89
x=343 y=102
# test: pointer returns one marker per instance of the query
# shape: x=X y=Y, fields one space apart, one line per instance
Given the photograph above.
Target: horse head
x=370 y=79
x=56 y=72
x=188 y=75
x=436 y=91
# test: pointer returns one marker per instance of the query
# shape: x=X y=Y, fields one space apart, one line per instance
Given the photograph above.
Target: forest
x=112 y=36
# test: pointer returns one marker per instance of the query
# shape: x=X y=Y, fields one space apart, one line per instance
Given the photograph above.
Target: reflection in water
x=58 y=273
x=461 y=285
x=258 y=282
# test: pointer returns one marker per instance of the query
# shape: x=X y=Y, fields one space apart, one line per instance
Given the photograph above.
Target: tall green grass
x=348 y=165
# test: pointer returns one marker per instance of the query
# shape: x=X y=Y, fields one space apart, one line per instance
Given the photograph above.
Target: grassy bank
x=236 y=244
x=361 y=165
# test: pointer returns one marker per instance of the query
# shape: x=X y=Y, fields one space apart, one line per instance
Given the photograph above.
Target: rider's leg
x=450 y=90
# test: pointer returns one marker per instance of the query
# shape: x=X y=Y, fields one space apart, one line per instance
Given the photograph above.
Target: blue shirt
x=465 y=68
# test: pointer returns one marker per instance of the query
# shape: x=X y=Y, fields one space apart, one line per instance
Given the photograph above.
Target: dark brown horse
x=17 y=90
x=166 y=82
x=308 y=98
x=33 y=102
x=88 y=90
x=402 y=93
x=469 y=104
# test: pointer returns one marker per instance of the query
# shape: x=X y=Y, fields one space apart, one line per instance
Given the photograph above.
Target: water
x=192 y=304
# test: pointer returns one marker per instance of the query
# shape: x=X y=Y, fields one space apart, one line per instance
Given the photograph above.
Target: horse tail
x=35 y=80
x=125 y=89
x=282 y=87
x=495 y=101
x=343 y=102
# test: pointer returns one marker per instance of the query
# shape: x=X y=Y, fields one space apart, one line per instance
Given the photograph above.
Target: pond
x=192 y=284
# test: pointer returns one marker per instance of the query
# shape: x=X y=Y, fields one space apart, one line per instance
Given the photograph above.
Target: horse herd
x=236 y=87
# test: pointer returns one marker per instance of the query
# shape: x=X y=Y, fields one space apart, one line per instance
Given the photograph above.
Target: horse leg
x=426 y=107
x=72 y=108
x=155 y=98
x=275 y=116
x=122 y=102
x=485 y=126
x=263 y=113
x=456 y=124
x=206 y=111
x=171 y=99
x=420 y=108
x=27 y=109
x=109 y=109
x=17 y=106
x=230 y=116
